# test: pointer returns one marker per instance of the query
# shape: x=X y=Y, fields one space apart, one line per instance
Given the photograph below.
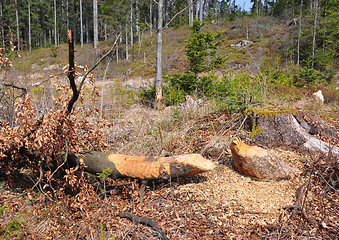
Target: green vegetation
x=13 y=229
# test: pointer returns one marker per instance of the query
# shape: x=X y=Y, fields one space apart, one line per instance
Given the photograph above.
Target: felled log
x=259 y=163
x=145 y=168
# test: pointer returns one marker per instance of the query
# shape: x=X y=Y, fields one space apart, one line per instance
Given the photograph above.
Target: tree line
x=33 y=24
x=41 y=23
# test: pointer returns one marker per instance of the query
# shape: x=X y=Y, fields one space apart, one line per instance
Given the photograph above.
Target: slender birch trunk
x=55 y=25
x=131 y=19
x=2 y=27
x=314 y=29
x=158 y=77
x=299 y=33
x=127 y=43
x=17 y=24
x=81 y=27
x=29 y=26
x=190 y=13
x=137 y=12
x=95 y=22
x=201 y=16
x=151 y=18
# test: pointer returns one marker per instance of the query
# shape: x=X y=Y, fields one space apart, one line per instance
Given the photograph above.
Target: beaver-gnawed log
x=142 y=167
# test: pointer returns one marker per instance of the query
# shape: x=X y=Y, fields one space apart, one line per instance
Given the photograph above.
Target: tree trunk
x=74 y=23
x=2 y=27
x=201 y=16
x=29 y=26
x=117 y=52
x=81 y=27
x=55 y=25
x=151 y=18
x=67 y=14
x=95 y=22
x=166 y=12
x=142 y=167
x=190 y=13
x=314 y=29
x=158 y=77
x=131 y=19
x=137 y=11
x=299 y=33
x=17 y=24
x=127 y=55
x=87 y=23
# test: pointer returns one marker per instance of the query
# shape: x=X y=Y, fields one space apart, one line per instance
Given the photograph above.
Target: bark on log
x=259 y=163
x=146 y=168
x=284 y=130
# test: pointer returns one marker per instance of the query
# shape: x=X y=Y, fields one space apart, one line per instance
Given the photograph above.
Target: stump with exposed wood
x=259 y=163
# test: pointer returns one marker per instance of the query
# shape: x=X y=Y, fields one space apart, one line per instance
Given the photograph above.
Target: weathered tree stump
x=280 y=128
x=259 y=163
x=144 y=168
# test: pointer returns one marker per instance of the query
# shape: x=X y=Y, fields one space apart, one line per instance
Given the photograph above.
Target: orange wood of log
x=146 y=167
x=259 y=163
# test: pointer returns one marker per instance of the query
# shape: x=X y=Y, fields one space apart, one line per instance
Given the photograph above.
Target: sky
x=244 y=4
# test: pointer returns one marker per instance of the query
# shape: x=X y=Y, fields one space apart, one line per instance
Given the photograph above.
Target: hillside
x=114 y=115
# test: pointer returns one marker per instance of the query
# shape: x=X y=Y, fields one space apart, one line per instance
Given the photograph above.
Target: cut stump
x=284 y=130
x=145 y=168
x=259 y=163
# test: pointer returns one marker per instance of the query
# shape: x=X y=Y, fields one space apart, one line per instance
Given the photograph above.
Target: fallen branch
x=145 y=221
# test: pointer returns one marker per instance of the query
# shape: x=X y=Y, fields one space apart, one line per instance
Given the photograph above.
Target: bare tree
x=314 y=29
x=137 y=12
x=151 y=17
x=29 y=26
x=131 y=19
x=17 y=23
x=127 y=58
x=95 y=22
x=299 y=33
x=55 y=25
x=201 y=16
x=81 y=26
x=190 y=13
x=2 y=27
x=158 y=77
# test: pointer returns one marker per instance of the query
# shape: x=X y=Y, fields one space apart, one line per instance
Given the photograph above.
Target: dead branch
x=145 y=221
x=71 y=71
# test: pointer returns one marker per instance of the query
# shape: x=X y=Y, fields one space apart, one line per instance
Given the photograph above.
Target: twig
x=66 y=156
x=144 y=221
x=243 y=121
x=14 y=86
x=101 y=59
x=169 y=22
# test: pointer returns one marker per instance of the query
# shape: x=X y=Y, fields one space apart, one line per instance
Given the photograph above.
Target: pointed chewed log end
x=142 y=167
x=259 y=163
